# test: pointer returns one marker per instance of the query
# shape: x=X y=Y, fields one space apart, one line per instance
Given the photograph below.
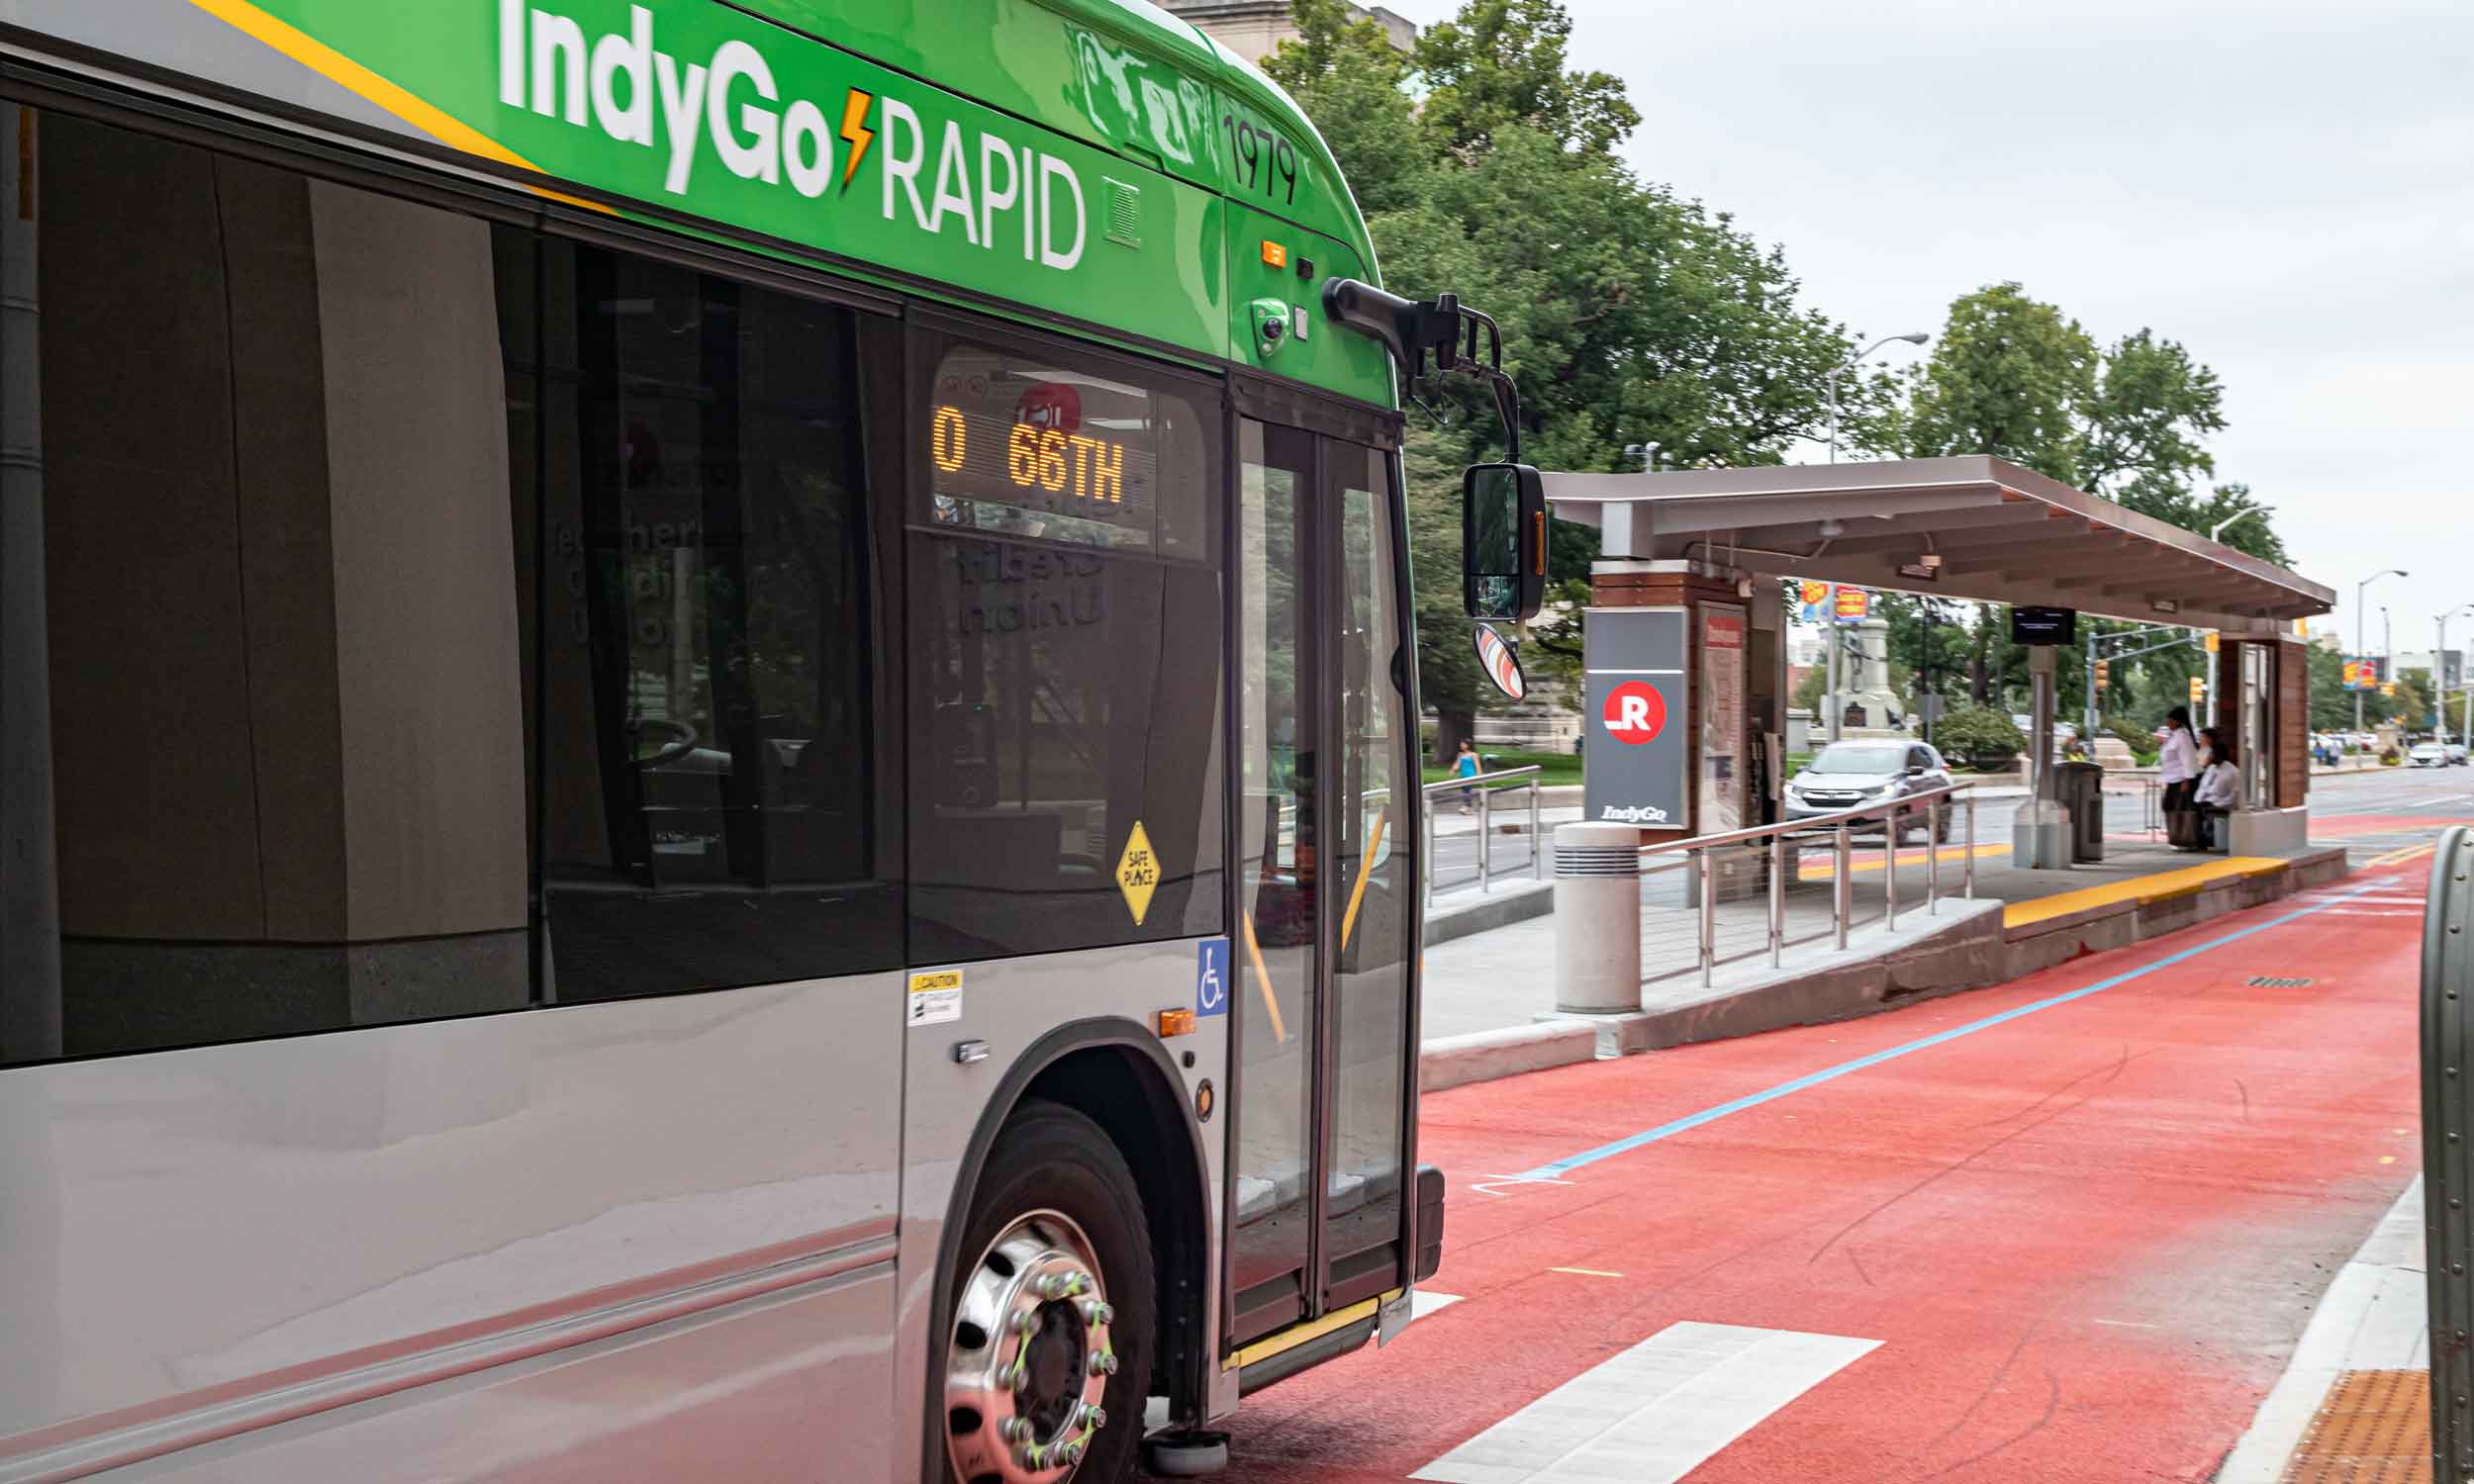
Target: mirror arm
x=1443 y=327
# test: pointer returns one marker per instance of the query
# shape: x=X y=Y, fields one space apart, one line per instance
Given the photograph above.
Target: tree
x=2142 y=425
x=2009 y=375
x=1628 y=315
x=1501 y=63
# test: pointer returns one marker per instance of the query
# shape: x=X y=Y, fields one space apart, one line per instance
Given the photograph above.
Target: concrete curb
x=1483 y=1055
x=1969 y=951
x=2058 y=940
x=2373 y=1317
x=1490 y=911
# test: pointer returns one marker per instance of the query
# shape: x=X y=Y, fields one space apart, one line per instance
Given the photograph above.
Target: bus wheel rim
x=1027 y=1358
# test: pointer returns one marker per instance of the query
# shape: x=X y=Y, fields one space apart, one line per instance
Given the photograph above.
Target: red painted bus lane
x=2085 y=1235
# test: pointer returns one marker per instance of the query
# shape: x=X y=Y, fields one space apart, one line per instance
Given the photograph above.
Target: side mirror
x=1504 y=541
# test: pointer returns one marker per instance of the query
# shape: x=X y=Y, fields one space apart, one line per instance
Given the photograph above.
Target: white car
x=2430 y=755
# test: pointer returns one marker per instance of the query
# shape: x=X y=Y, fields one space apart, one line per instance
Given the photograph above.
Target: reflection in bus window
x=709 y=781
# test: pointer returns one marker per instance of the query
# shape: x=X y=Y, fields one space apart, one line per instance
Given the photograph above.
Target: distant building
x=1254 y=29
x=2422 y=660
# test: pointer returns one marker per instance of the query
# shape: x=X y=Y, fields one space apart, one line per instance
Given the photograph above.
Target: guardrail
x=1479 y=794
x=2447 y=1162
x=1838 y=827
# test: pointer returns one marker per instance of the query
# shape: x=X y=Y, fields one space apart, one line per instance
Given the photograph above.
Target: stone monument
x=1867 y=709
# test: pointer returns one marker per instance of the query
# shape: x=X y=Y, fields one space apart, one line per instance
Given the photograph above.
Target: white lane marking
x=1652 y=1414
x=1588 y=1272
x=1423 y=1301
x=2124 y=1324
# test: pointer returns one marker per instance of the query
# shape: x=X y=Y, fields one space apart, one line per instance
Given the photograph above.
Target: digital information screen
x=1025 y=449
x=2032 y=625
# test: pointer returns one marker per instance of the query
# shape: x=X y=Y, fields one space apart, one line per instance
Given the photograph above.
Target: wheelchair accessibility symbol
x=1211 y=976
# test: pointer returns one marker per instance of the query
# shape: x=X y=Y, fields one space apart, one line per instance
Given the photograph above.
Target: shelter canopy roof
x=2002 y=535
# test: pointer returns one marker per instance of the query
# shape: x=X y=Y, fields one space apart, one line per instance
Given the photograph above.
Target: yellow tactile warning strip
x=2163 y=886
x=2375 y=1427
x=1822 y=867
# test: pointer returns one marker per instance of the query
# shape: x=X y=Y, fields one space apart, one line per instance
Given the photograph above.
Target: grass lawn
x=1560 y=767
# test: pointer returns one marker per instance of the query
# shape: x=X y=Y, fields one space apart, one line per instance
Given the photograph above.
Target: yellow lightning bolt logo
x=855 y=132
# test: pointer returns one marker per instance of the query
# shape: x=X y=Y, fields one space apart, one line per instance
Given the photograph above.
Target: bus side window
x=709 y=773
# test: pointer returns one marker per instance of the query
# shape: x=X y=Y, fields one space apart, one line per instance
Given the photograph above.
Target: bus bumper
x=1429 y=1224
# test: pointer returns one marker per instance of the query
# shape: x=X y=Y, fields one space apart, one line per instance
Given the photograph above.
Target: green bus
x=707 y=742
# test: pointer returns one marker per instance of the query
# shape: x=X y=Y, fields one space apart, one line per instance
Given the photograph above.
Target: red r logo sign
x=1634 y=712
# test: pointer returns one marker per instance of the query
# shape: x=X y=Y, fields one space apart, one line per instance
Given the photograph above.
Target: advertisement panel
x=1722 y=720
x=1635 y=702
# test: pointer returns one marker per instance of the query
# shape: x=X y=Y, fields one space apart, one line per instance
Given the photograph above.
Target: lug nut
x=1097 y=1311
x=1015 y=1429
x=1102 y=1364
x=1098 y=1417
x=1074 y=1452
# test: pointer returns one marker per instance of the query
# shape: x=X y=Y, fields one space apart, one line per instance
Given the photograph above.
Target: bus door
x=1328 y=834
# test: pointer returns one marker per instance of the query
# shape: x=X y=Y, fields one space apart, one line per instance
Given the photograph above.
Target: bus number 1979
x=1263 y=157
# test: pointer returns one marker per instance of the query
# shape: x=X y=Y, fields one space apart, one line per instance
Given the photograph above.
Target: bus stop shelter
x=1683 y=602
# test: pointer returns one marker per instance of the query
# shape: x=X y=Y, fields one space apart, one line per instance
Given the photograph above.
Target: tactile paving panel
x=2375 y=1427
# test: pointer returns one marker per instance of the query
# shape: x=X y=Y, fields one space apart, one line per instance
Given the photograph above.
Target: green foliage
x=2008 y=376
x=1628 y=315
x=1555 y=769
x=1499 y=63
x=1979 y=734
x=2331 y=704
x=1810 y=690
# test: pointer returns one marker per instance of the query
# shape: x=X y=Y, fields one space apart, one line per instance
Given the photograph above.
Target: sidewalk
x=2355 y=1402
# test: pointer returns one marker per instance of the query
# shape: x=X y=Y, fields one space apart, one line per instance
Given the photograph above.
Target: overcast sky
x=2287 y=189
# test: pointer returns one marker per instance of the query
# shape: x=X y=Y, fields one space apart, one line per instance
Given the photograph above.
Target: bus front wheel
x=1047 y=1347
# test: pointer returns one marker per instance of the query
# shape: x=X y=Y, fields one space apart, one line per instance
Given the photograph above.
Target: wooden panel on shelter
x=2293 y=723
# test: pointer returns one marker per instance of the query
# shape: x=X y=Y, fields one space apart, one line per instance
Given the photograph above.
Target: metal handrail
x=1484 y=780
x=1806 y=824
x=1485 y=786
x=1930 y=802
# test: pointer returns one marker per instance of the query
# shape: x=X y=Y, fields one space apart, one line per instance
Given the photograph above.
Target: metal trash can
x=2079 y=788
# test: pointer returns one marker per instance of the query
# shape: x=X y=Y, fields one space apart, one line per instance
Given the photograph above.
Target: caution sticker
x=1138 y=872
x=935 y=997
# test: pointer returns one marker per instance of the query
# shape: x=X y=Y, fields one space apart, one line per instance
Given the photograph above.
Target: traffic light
x=2388 y=688
x=2199 y=690
x=2104 y=674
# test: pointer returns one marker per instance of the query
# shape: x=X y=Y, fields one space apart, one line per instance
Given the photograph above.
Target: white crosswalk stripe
x=1652 y=1414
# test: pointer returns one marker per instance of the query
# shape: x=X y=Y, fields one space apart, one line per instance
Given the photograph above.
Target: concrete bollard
x=1597 y=919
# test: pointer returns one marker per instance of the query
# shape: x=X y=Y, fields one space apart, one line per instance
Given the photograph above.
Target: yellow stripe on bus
x=341 y=69
x=1263 y=977
x=1365 y=867
x=1290 y=1339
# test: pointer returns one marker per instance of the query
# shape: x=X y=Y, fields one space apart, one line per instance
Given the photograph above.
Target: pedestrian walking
x=1466 y=765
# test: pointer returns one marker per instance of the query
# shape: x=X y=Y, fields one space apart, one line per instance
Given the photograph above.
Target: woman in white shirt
x=2219 y=788
x=2177 y=766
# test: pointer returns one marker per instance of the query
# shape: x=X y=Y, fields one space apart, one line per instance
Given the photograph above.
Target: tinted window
x=1859 y=757
x=376 y=575
x=1066 y=686
x=709 y=808
x=261 y=735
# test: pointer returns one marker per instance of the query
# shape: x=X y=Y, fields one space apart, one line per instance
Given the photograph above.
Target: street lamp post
x=1916 y=337
x=2362 y=631
x=2217 y=534
x=2440 y=679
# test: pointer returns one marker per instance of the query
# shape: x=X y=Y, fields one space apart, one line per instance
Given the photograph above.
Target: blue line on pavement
x=1630 y=1141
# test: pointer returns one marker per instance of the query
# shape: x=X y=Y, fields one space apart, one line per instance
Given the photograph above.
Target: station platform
x=2018 y=921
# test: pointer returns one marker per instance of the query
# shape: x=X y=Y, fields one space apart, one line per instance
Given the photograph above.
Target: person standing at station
x=2177 y=766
